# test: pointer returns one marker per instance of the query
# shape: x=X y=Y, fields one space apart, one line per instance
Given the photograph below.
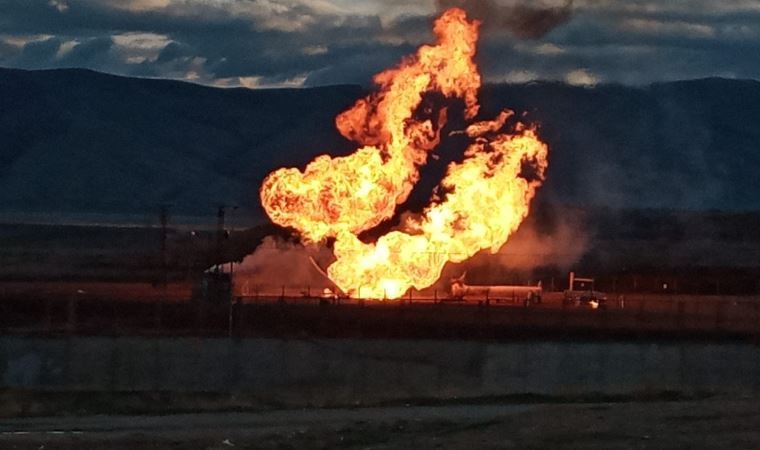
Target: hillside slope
x=75 y=141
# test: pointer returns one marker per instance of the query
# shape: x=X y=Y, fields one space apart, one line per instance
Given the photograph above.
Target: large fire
x=488 y=193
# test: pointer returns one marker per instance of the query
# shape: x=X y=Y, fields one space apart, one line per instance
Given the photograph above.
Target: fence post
x=719 y=315
x=200 y=315
x=603 y=316
x=71 y=314
x=157 y=315
x=47 y=321
x=230 y=311
x=115 y=322
x=642 y=307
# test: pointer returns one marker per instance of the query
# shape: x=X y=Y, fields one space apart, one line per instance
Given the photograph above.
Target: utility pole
x=222 y=282
x=219 y=236
x=164 y=217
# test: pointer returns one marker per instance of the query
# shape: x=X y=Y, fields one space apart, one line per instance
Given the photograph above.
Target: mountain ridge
x=79 y=141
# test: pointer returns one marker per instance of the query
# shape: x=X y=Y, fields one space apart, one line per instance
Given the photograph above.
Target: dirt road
x=704 y=424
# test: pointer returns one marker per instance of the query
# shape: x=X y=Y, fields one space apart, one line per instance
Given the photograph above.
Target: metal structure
x=581 y=293
x=526 y=294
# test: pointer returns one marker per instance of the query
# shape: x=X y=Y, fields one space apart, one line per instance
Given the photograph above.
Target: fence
x=273 y=314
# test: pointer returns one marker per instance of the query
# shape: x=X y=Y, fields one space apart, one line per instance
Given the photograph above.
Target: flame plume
x=488 y=196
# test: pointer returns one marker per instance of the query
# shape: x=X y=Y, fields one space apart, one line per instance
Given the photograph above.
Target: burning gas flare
x=489 y=192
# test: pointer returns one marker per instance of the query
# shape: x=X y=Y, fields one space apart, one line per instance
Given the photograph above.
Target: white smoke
x=278 y=264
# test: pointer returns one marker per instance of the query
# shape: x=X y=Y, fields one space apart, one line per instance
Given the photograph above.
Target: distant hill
x=686 y=145
x=77 y=141
x=82 y=142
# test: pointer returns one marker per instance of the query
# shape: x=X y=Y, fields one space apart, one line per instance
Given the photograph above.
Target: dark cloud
x=92 y=51
x=635 y=41
x=8 y=51
x=524 y=20
x=172 y=52
x=36 y=53
x=346 y=65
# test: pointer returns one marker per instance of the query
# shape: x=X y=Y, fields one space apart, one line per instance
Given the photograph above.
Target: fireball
x=488 y=192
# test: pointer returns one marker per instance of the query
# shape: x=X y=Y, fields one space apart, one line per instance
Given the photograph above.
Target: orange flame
x=489 y=191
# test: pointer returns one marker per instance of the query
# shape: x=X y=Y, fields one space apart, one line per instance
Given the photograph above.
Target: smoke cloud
x=562 y=245
x=551 y=237
x=523 y=21
x=277 y=264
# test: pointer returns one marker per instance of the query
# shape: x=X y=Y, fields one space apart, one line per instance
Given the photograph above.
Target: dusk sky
x=263 y=43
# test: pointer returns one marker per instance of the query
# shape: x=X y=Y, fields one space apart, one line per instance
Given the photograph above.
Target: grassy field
x=34 y=252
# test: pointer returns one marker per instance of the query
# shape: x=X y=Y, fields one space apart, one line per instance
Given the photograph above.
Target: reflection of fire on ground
x=487 y=193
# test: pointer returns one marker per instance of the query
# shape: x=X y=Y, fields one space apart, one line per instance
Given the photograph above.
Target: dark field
x=666 y=273
x=116 y=253
x=704 y=424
